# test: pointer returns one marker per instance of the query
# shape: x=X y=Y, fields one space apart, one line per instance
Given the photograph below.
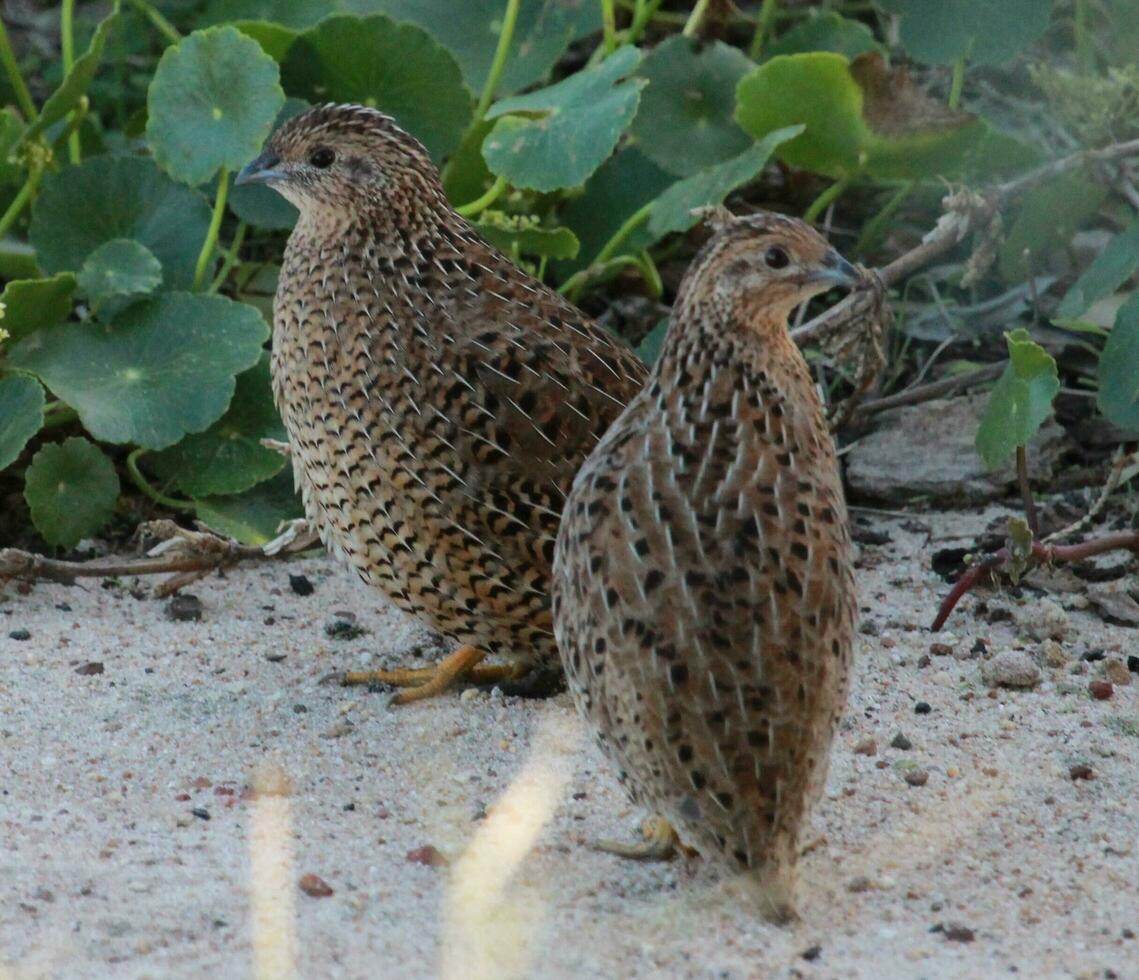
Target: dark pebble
x=901 y=742
x=811 y=953
x=301 y=585
x=343 y=626
x=1081 y=771
x=90 y=668
x=979 y=649
x=923 y=661
x=63 y=607
x=19 y=635
x=1091 y=656
x=348 y=807
x=1133 y=664
x=957 y=933
x=299 y=709
x=184 y=608
x=921 y=708
x=201 y=813
x=274 y=658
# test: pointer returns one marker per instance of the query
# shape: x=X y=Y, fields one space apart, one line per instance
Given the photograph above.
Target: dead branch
x=934 y=389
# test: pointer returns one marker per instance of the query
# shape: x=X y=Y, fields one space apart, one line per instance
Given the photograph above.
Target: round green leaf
x=21 y=415
x=71 y=488
x=228 y=457
x=211 y=104
x=252 y=517
x=510 y=232
x=294 y=14
x=397 y=68
x=259 y=204
x=1119 y=368
x=470 y=30
x=1048 y=217
x=30 y=304
x=568 y=129
x=825 y=32
x=163 y=368
x=120 y=267
x=274 y=39
x=685 y=122
x=1110 y=270
x=939 y=32
x=80 y=208
x=1020 y=401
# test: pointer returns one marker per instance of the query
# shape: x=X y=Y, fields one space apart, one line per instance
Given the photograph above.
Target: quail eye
x=322 y=157
x=776 y=258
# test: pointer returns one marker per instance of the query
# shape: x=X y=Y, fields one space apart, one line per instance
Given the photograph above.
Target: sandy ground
x=132 y=845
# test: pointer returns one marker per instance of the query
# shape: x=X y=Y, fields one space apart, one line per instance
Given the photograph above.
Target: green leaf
x=296 y=15
x=622 y=185
x=163 y=368
x=825 y=32
x=260 y=205
x=470 y=29
x=862 y=118
x=558 y=136
x=71 y=488
x=685 y=121
x=21 y=415
x=397 y=68
x=274 y=39
x=648 y=350
x=31 y=304
x=1048 y=217
x=11 y=134
x=939 y=32
x=252 y=517
x=76 y=82
x=1020 y=401
x=1110 y=270
x=211 y=104
x=505 y=233
x=120 y=267
x=1119 y=368
x=672 y=211
x=228 y=457
x=110 y=197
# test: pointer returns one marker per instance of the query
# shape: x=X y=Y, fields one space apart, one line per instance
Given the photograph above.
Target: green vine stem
x=826 y=199
x=161 y=24
x=20 y=201
x=651 y=273
x=498 y=65
x=215 y=227
x=958 y=82
x=763 y=24
x=692 y=27
x=148 y=488
x=15 y=79
x=480 y=204
x=575 y=284
x=67 y=51
x=874 y=229
x=643 y=13
x=608 y=27
x=232 y=257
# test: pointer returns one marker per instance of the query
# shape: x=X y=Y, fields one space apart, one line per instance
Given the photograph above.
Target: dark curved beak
x=836 y=271
x=261 y=170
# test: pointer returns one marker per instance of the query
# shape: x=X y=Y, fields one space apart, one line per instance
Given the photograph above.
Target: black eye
x=322 y=157
x=776 y=258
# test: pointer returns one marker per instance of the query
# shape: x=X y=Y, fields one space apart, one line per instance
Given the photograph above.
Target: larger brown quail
x=704 y=600
x=438 y=400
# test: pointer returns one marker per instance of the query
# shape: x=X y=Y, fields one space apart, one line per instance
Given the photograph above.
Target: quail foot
x=438 y=400
x=704 y=600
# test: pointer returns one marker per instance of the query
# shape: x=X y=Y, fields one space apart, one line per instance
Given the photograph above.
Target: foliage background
x=577 y=135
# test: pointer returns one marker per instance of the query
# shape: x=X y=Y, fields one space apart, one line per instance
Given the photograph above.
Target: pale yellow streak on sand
x=272 y=884
x=491 y=926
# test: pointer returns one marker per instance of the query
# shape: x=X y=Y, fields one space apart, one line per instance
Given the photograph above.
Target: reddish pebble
x=1101 y=690
x=1081 y=771
x=866 y=746
x=315 y=886
x=916 y=777
x=941 y=649
x=427 y=855
x=201 y=783
x=223 y=791
x=182 y=797
x=959 y=934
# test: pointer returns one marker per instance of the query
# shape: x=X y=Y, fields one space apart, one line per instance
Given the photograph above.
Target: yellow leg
x=660 y=843
x=427 y=682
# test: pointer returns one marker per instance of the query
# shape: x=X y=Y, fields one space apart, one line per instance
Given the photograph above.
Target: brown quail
x=704 y=599
x=438 y=399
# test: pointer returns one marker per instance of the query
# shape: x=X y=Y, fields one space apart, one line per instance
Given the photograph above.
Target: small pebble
x=90 y=668
x=941 y=649
x=865 y=746
x=923 y=661
x=922 y=708
x=1101 y=690
x=1116 y=671
x=428 y=855
x=901 y=742
x=343 y=626
x=301 y=585
x=184 y=608
x=275 y=658
x=19 y=635
x=812 y=953
x=859 y=884
x=1011 y=668
x=1133 y=663
x=916 y=777
x=1081 y=771
x=1044 y=620
x=201 y=813
x=957 y=933
x=314 y=885
x=1093 y=656
x=1053 y=654
x=979 y=648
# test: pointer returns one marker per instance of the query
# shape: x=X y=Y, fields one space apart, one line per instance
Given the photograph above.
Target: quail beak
x=262 y=170
x=835 y=271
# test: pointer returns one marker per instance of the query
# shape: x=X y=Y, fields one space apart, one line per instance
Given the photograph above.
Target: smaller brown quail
x=704 y=600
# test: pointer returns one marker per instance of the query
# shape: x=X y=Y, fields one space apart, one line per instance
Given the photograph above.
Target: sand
x=132 y=843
